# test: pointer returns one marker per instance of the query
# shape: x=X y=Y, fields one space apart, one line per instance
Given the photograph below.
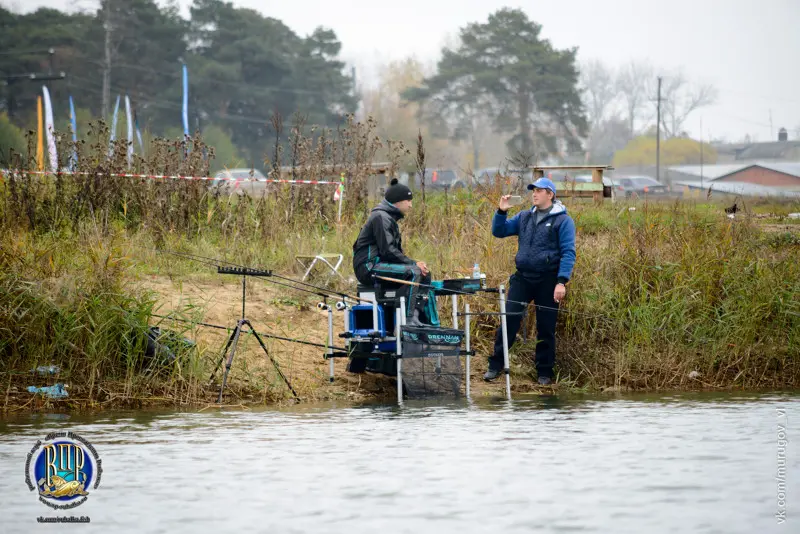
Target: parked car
x=583 y=178
x=609 y=189
x=487 y=177
x=440 y=179
x=639 y=186
x=240 y=182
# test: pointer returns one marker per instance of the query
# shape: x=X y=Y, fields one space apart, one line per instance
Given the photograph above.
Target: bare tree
x=13 y=6
x=634 y=82
x=599 y=90
x=679 y=99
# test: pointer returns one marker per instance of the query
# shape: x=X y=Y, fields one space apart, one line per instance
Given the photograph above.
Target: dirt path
x=284 y=313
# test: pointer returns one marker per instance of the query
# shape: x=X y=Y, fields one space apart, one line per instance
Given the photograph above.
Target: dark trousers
x=401 y=271
x=540 y=290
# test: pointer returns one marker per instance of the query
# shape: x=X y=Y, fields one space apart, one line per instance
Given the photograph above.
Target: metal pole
x=401 y=312
x=346 y=326
x=701 y=152
x=658 y=133
x=330 y=341
x=455 y=326
x=236 y=333
x=107 y=61
x=339 y=214
x=375 y=313
x=505 y=339
x=466 y=332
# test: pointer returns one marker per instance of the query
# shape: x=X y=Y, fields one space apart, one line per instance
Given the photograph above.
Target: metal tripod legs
x=233 y=341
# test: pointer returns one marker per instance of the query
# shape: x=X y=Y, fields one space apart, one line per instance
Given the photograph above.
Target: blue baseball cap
x=543 y=183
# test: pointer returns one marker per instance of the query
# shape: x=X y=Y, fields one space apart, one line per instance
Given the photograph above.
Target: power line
x=216 y=81
x=165 y=104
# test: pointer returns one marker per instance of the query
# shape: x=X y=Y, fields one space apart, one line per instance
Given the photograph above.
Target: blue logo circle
x=63 y=469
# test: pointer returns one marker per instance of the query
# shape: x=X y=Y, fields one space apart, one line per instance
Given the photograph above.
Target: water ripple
x=677 y=463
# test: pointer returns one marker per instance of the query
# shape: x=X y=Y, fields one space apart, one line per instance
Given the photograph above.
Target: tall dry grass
x=671 y=295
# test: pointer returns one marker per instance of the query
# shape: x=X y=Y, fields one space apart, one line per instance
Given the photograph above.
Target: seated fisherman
x=379 y=251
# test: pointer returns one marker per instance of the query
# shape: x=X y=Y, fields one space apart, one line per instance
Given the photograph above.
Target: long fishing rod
x=419 y=284
x=321 y=291
x=214 y=262
x=325 y=293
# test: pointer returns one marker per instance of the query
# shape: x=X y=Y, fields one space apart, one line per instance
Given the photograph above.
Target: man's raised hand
x=504 y=202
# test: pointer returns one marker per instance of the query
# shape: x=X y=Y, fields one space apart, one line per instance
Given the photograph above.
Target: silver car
x=240 y=182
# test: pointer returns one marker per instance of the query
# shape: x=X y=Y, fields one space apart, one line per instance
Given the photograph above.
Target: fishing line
x=271 y=336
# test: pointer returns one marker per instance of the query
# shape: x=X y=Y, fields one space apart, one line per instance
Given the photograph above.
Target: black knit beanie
x=397 y=192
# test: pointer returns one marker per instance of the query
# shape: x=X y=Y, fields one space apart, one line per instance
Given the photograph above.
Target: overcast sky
x=748 y=49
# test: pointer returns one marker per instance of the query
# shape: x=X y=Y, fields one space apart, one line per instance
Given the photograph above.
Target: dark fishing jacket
x=379 y=239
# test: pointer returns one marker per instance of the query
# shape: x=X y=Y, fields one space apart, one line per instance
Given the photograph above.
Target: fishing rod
x=214 y=262
x=456 y=291
x=325 y=293
x=245 y=270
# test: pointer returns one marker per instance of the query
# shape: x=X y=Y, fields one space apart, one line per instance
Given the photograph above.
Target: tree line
x=501 y=88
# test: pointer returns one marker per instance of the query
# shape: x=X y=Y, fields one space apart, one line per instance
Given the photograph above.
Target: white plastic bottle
x=476 y=271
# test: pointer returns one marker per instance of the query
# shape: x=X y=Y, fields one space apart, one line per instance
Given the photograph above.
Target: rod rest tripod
x=233 y=341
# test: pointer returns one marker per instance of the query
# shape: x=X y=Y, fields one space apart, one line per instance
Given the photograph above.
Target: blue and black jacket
x=547 y=247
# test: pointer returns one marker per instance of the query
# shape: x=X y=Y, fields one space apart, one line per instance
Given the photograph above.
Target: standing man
x=379 y=250
x=544 y=264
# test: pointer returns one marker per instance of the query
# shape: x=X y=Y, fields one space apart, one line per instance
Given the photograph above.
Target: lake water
x=643 y=463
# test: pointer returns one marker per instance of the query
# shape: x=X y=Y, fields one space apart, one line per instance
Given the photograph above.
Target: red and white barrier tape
x=173 y=177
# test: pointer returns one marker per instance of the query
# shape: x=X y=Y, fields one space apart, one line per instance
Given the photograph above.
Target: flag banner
x=73 y=122
x=49 y=129
x=185 y=101
x=39 y=135
x=129 y=121
x=113 y=128
x=138 y=132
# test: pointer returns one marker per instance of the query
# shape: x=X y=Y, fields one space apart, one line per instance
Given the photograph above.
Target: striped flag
x=340 y=189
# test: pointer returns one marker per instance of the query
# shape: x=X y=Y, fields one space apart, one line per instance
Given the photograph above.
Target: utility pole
x=771 y=131
x=107 y=60
x=658 y=133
